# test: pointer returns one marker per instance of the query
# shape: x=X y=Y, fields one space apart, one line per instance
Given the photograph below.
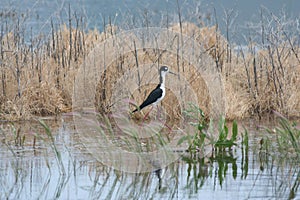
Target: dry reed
x=38 y=78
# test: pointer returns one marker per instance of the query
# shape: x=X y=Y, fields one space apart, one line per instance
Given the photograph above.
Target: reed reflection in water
x=31 y=168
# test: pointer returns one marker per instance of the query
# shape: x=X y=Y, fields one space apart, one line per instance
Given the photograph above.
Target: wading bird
x=158 y=93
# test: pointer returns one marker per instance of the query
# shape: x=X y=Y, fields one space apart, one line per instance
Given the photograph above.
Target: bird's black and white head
x=163 y=71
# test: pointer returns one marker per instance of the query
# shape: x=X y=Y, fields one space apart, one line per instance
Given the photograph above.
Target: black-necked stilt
x=158 y=93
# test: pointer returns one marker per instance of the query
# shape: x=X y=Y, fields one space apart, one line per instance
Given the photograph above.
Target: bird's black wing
x=152 y=97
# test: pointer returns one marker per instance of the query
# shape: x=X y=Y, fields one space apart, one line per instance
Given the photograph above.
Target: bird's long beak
x=172 y=73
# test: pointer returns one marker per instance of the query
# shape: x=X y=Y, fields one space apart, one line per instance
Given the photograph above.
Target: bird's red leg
x=158 y=117
x=158 y=112
x=167 y=126
x=148 y=113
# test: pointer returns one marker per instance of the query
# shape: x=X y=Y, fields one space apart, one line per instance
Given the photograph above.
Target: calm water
x=33 y=166
x=30 y=169
x=131 y=13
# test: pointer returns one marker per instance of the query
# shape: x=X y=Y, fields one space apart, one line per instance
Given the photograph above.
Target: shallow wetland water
x=36 y=166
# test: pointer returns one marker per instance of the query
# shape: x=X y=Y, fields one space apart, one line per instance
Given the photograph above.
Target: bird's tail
x=137 y=109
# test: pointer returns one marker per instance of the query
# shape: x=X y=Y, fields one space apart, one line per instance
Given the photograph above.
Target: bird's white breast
x=163 y=94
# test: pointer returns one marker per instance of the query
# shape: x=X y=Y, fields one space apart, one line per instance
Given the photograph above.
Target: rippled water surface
x=35 y=166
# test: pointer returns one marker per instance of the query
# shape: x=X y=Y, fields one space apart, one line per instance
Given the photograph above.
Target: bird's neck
x=162 y=80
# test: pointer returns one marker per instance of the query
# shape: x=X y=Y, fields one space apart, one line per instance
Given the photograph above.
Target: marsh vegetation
x=38 y=71
x=250 y=151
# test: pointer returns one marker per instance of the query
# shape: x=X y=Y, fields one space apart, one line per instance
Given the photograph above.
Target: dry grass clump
x=42 y=99
x=255 y=81
x=208 y=37
x=237 y=99
x=264 y=81
x=36 y=98
x=38 y=78
x=238 y=102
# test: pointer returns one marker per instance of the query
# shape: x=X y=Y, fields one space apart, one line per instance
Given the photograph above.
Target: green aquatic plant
x=196 y=141
x=53 y=146
x=245 y=154
x=287 y=136
x=198 y=170
x=198 y=120
x=282 y=144
x=223 y=142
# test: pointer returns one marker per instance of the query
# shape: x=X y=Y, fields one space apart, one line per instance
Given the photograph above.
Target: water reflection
x=29 y=170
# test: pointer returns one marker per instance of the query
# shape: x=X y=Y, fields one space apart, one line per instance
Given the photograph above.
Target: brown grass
x=38 y=79
x=263 y=82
